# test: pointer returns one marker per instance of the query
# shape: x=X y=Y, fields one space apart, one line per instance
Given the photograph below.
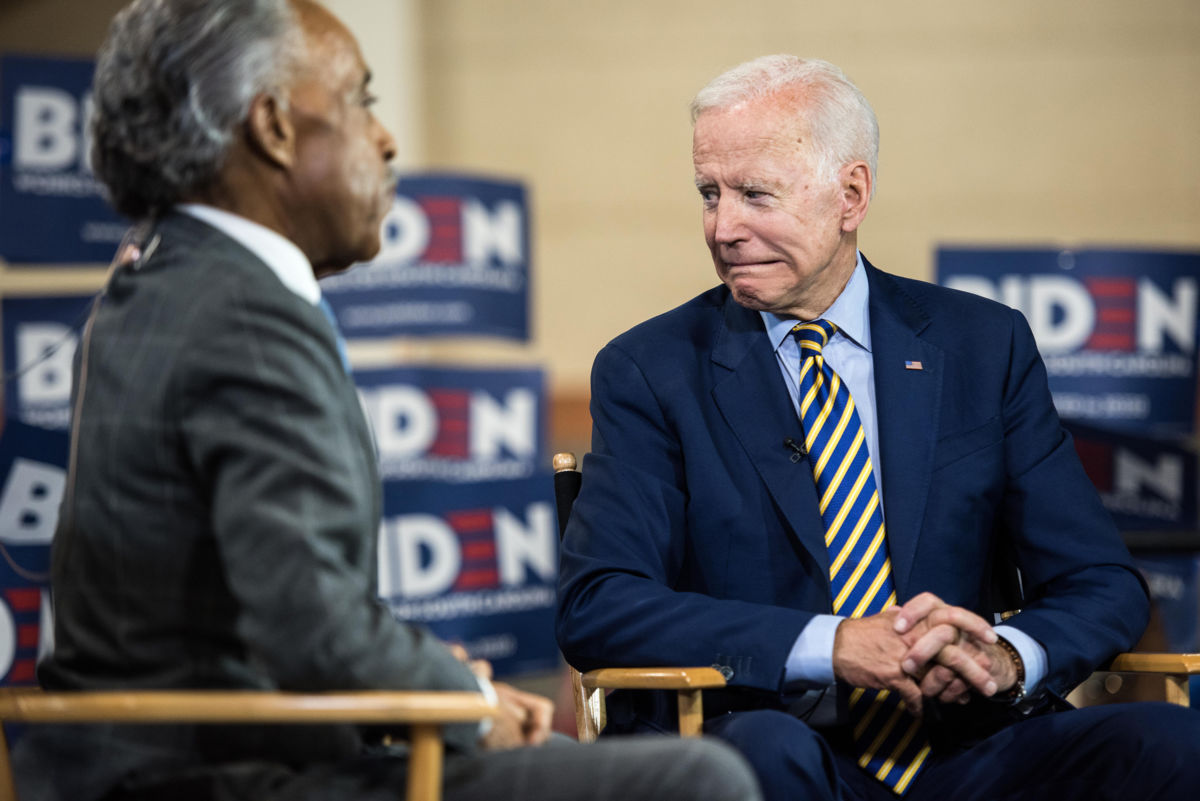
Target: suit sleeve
x=274 y=432
x=628 y=543
x=1084 y=600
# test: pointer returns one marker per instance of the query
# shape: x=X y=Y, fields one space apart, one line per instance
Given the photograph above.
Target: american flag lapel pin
x=909 y=365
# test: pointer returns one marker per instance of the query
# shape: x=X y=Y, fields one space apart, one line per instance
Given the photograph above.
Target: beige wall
x=1016 y=122
x=1031 y=121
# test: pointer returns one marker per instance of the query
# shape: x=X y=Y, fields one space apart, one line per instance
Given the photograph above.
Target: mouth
x=387 y=193
x=747 y=266
x=391 y=179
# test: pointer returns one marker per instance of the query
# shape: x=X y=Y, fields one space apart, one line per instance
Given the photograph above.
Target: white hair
x=837 y=116
x=173 y=80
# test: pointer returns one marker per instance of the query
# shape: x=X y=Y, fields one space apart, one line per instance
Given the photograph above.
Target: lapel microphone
x=796 y=448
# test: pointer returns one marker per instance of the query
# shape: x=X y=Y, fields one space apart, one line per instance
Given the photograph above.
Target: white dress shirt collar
x=849 y=312
x=277 y=252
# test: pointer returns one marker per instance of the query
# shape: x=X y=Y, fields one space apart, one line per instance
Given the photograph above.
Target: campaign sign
x=454 y=262
x=1146 y=484
x=40 y=337
x=456 y=425
x=32 y=477
x=52 y=209
x=1117 y=329
x=477 y=563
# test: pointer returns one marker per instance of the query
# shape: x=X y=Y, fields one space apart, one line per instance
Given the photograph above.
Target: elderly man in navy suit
x=804 y=477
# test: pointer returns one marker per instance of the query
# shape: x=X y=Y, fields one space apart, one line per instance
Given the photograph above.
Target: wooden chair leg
x=1177 y=690
x=691 y=713
x=589 y=709
x=425 y=763
x=8 y=791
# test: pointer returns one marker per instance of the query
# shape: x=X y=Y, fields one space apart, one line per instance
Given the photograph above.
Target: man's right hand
x=867 y=652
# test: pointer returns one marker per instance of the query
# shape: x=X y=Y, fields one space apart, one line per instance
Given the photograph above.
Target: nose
x=725 y=221
x=387 y=145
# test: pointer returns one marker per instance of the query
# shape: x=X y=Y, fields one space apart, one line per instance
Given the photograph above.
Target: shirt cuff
x=489 y=692
x=810 y=662
x=1033 y=655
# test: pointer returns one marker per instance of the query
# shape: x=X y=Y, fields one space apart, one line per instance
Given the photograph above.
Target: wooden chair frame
x=588 y=688
x=423 y=712
x=1175 y=670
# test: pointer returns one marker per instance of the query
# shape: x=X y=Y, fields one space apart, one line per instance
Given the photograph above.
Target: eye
x=755 y=194
x=708 y=195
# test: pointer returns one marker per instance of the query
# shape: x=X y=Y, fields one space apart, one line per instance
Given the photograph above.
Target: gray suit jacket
x=223 y=524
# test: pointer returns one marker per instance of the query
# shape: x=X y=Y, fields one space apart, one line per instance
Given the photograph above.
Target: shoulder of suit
x=686 y=323
x=206 y=265
x=944 y=304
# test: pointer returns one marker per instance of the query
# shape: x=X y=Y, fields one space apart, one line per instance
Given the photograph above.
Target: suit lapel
x=755 y=403
x=907 y=406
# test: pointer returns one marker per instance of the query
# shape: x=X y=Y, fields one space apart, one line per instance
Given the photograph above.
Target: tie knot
x=813 y=336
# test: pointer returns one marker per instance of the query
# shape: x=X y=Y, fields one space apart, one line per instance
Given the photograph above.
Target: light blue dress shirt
x=848 y=353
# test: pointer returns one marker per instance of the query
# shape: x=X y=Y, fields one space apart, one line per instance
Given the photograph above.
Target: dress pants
x=1142 y=751
x=647 y=768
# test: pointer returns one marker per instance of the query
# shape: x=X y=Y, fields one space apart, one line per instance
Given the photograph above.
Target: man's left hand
x=954 y=652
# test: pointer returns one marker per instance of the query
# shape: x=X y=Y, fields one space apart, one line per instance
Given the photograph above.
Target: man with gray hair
x=804 y=477
x=220 y=523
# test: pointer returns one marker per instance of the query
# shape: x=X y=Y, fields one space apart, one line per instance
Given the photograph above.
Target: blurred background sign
x=52 y=209
x=454 y=262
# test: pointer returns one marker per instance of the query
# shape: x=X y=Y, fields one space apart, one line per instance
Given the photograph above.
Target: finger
x=926 y=648
x=936 y=680
x=911 y=694
x=956 y=691
x=963 y=620
x=914 y=610
x=972 y=666
x=481 y=667
x=459 y=652
x=540 y=720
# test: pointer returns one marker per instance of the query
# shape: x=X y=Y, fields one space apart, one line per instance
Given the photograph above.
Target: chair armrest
x=1180 y=664
x=656 y=678
x=241 y=706
x=424 y=712
x=688 y=682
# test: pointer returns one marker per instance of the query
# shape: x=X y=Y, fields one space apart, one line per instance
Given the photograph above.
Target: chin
x=366 y=249
x=748 y=295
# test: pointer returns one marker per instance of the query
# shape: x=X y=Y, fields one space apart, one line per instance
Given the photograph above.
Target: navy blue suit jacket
x=696 y=540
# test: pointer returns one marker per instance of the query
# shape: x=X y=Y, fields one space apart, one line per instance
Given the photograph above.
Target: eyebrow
x=753 y=184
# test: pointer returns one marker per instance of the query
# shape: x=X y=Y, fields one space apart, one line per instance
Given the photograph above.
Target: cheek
x=362 y=172
x=708 y=221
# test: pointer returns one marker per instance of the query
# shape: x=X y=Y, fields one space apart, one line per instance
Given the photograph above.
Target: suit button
x=725 y=670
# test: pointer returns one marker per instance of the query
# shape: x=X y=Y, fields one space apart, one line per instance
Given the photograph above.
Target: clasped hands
x=923 y=649
x=523 y=718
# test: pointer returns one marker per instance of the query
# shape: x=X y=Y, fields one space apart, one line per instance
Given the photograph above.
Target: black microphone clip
x=796 y=448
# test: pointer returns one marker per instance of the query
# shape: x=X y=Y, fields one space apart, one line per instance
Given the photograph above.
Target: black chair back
x=567 y=481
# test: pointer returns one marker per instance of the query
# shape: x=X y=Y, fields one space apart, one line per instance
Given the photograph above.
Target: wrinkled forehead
x=767 y=125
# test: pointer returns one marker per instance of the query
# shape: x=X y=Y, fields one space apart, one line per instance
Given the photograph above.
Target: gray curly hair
x=840 y=120
x=173 y=80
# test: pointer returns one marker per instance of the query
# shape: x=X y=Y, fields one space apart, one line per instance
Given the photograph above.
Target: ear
x=269 y=131
x=856 y=182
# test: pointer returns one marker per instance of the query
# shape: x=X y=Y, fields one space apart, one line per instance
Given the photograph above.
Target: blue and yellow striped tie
x=889 y=742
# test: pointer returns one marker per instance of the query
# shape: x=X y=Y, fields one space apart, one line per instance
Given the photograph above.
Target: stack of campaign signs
x=468 y=543
x=1118 y=332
